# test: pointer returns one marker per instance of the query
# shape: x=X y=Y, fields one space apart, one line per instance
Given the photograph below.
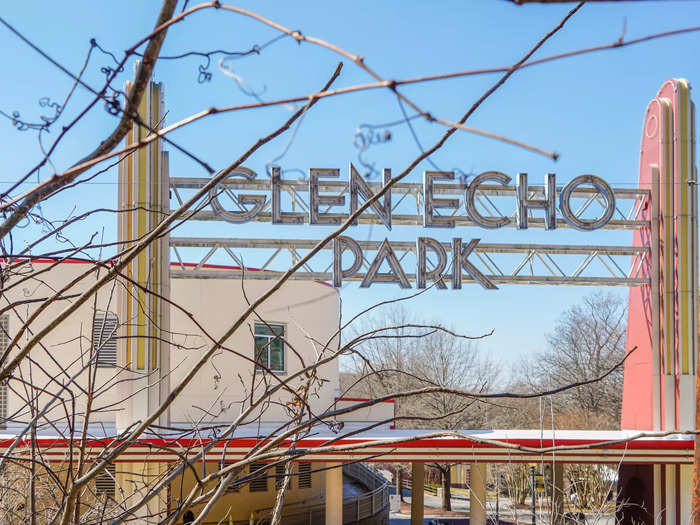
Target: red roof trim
x=47 y=260
x=227 y=267
x=445 y=443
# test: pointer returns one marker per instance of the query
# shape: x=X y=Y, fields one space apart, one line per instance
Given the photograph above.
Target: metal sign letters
x=436 y=212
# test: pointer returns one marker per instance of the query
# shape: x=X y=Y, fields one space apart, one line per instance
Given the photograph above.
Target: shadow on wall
x=635 y=496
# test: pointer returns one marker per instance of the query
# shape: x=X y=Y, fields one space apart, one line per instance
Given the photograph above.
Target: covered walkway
x=475 y=447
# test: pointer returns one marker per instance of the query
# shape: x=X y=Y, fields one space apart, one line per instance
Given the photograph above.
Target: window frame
x=269 y=326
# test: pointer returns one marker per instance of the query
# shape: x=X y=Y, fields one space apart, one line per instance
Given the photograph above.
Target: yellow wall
x=239 y=505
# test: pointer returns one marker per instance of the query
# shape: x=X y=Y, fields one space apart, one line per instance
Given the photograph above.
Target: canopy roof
x=350 y=443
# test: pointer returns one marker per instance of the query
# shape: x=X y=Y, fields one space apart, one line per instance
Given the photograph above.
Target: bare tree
x=587 y=339
x=434 y=372
x=405 y=352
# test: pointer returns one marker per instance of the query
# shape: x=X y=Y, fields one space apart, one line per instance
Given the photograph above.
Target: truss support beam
x=507 y=263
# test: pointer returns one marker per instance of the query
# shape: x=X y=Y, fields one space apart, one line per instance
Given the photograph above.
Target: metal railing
x=369 y=504
x=430 y=489
x=355 y=508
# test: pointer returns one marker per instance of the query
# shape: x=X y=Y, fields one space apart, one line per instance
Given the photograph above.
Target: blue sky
x=589 y=109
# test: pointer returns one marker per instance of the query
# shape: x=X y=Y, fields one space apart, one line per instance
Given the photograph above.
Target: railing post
x=417 y=490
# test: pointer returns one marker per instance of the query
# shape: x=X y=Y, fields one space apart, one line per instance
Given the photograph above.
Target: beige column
x=558 y=494
x=671 y=488
x=144 y=332
x=417 y=492
x=334 y=494
x=477 y=494
x=137 y=479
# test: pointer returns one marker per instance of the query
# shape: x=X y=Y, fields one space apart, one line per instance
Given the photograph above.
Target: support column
x=477 y=494
x=334 y=494
x=137 y=479
x=671 y=495
x=144 y=349
x=558 y=494
x=417 y=492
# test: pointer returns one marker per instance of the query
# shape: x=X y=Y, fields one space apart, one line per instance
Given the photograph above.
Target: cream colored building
x=304 y=314
x=122 y=354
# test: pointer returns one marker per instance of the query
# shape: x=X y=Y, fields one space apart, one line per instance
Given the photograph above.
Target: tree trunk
x=399 y=483
x=446 y=493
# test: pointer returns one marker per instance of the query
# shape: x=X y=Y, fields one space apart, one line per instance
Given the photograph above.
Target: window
x=104 y=339
x=105 y=482
x=259 y=484
x=269 y=346
x=304 y=476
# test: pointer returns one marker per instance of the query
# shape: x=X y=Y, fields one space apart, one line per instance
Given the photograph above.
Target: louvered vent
x=3 y=406
x=258 y=484
x=104 y=339
x=105 y=482
x=4 y=342
x=4 y=332
x=304 y=475
x=279 y=476
x=233 y=486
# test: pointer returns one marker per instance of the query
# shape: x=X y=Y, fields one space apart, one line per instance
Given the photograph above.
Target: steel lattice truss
x=502 y=263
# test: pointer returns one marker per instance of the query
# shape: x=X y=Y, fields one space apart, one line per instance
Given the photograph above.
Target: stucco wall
x=238 y=506
x=377 y=412
x=308 y=310
x=65 y=347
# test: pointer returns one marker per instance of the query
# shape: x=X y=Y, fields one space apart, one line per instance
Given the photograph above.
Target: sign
x=539 y=483
x=437 y=212
x=394 y=503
